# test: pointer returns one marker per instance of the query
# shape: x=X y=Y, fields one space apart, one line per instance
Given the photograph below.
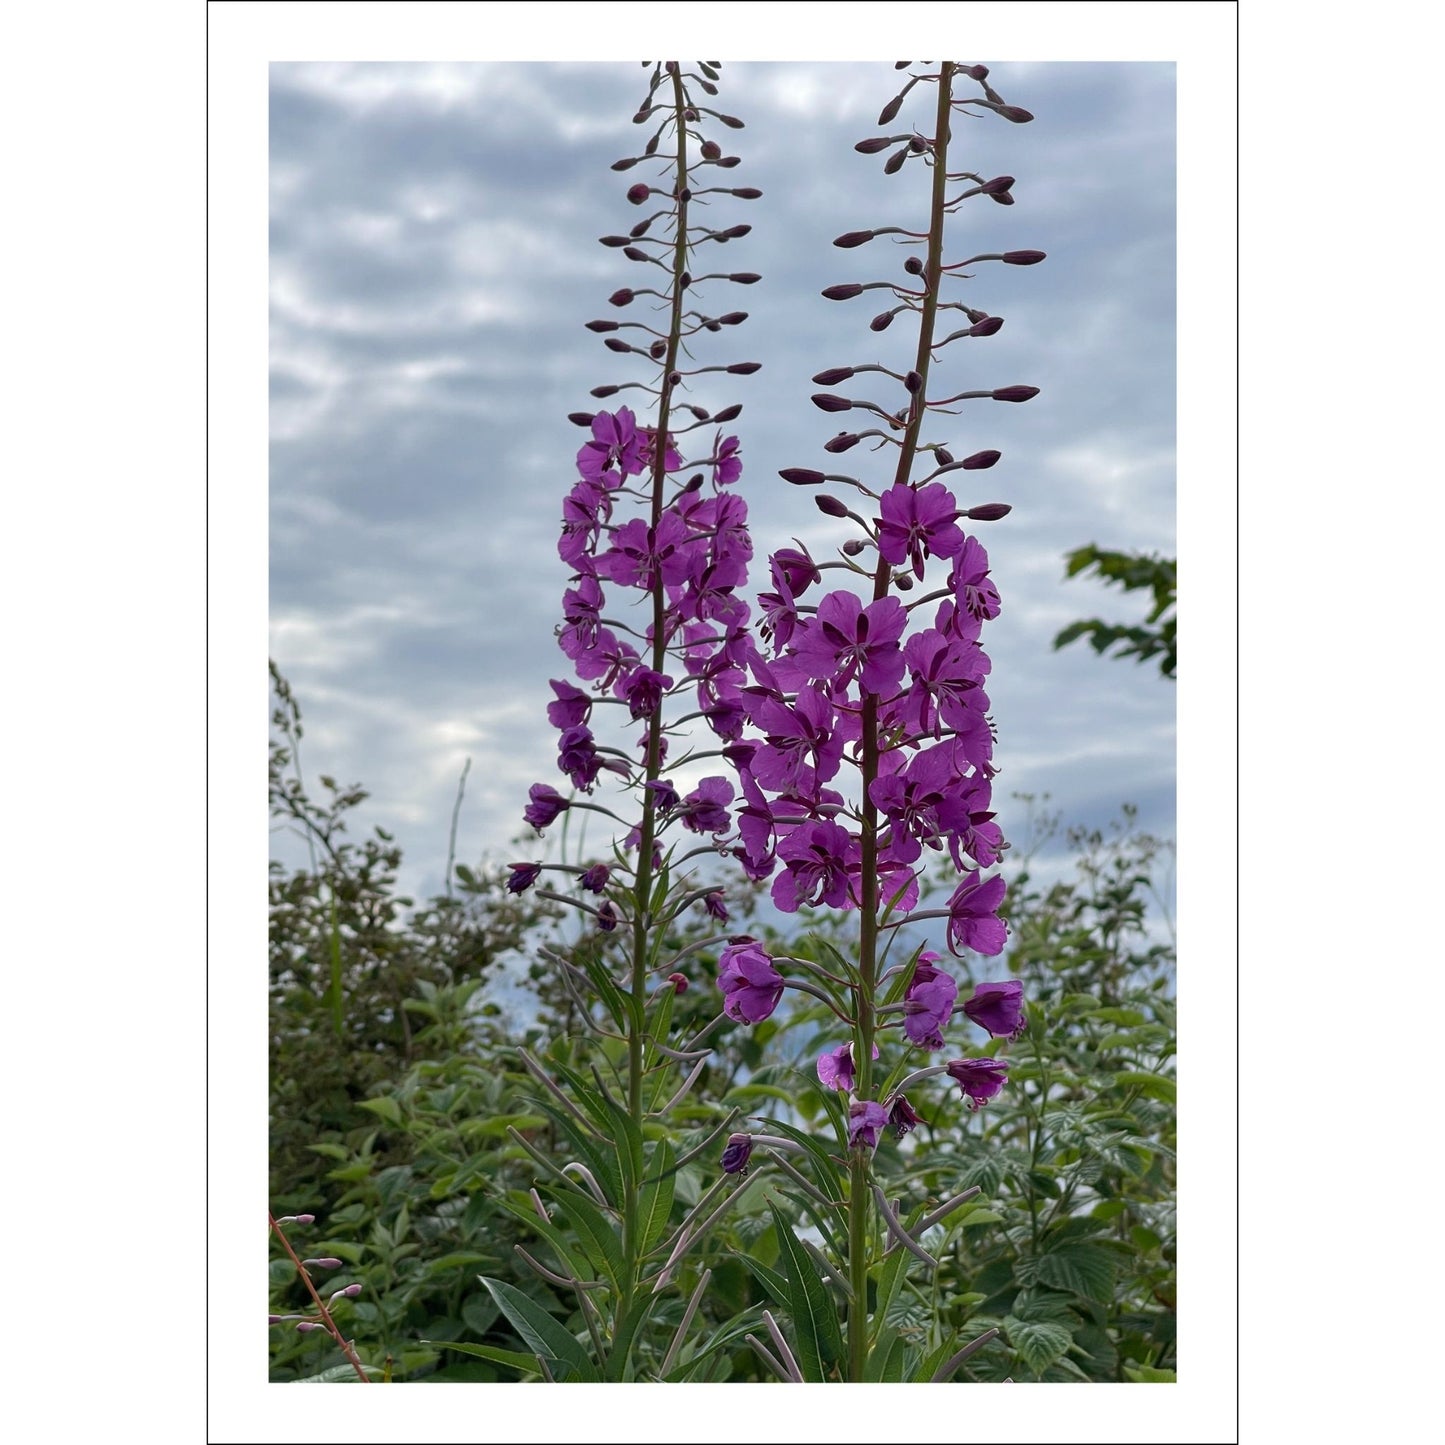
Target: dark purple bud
x=914 y=266
x=825 y=401
x=802 y=477
x=917 y=144
x=850 y=239
x=841 y=442
x=641 y=228
x=979 y=461
x=894 y=163
x=1024 y=258
x=636 y=253
x=626 y=164
x=1015 y=393
x=524 y=875
x=742 y=368
x=622 y=297
x=945 y=457
x=733 y=233
x=976 y=72
x=678 y=982
x=1003 y=198
x=716 y=906
x=602 y=391
x=728 y=413
x=733 y=318
x=744 y=278
x=833 y=375
x=613 y=240
x=594 y=880
x=988 y=512
x=873 y=146
x=890 y=110
x=580 y=418
x=913 y=382
x=831 y=506
x=881 y=322
x=853 y=546
x=731 y=120
x=844 y=292
x=728 y=162
x=736 y=1155
x=903 y=581
x=657 y=350
x=902 y=64
x=689 y=114
x=986 y=327
x=693 y=484
x=639 y=193
x=607 y=917
x=1015 y=113
x=642 y=115
x=603 y=325
x=747 y=193
x=997 y=185
x=685 y=194
x=711 y=150
x=684 y=281
x=614 y=344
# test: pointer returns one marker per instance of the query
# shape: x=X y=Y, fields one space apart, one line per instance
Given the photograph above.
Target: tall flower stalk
x=655 y=538
x=882 y=680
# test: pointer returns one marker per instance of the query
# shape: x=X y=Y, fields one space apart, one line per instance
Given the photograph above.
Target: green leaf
x=1038 y=1343
x=543 y=1334
x=1156 y=1086
x=654 y=1207
x=339 y=1375
x=514 y=1359
x=1080 y=1267
x=597 y=1234
x=887 y=1358
x=815 y=1320
x=384 y=1108
x=1148 y=1375
x=826 y=1177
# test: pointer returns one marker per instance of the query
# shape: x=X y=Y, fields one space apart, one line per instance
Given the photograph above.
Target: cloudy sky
x=433 y=260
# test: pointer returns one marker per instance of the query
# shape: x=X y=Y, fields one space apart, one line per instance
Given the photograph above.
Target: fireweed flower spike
x=655 y=551
x=872 y=744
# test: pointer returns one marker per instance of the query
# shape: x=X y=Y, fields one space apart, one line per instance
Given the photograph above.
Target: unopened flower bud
x=997 y=185
x=636 y=253
x=747 y=193
x=831 y=506
x=711 y=150
x=729 y=413
x=325 y=1262
x=1023 y=258
x=833 y=375
x=604 y=391
x=890 y=110
x=732 y=121
x=841 y=442
x=874 y=145
x=986 y=327
x=1015 y=113
x=733 y=318
x=524 y=875
x=914 y=265
x=853 y=546
x=622 y=297
x=580 y=418
x=881 y=322
x=976 y=72
x=902 y=581
x=738 y=1152
x=626 y=163
x=742 y=368
x=845 y=292
x=603 y=325
x=979 y=461
x=802 y=477
x=913 y=382
x=1015 y=393
x=657 y=350
x=894 y=163
x=988 y=512
x=945 y=457
x=917 y=144
x=744 y=278
x=306 y=1326
x=849 y=239
x=826 y=401
x=678 y=982
x=350 y=1292
x=639 y=193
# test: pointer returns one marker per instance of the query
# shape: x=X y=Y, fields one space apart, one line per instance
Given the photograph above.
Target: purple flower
x=716 y=906
x=915 y=522
x=835 y=1068
x=546 y=805
x=577 y=757
x=524 y=875
x=750 y=984
x=972 y=910
x=846 y=639
x=615 y=442
x=865 y=1119
x=999 y=1008
x=607 y=917
x=642 y=690
x=928 y=1004
x=978 y=1080
x=727 y=465
x=594 y=880
x=818 y=856
x=902 y=1117
x=705 y=809
x=572 y=707
x=735 y=1157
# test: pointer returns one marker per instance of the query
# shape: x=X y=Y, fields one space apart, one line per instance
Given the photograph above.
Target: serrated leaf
x=1038 y=1343
x=1080 y=1267
x=543 y=1334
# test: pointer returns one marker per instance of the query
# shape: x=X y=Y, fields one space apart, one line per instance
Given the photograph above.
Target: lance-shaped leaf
x=543 y=1334
x=815 y=1319
x=654 y=1206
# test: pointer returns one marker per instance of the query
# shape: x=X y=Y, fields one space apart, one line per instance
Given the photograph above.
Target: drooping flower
x=750 y=984
x=594 y=880
x=705 y=809
x=902 y=1117
x=735 y=1157
x=524 y=875
x=572 y=707
x=865 y=1119
x=928 y=1004
x=998 y=1007
x=607 y=917
x=727 y=465
x=972 y=915
x=979 y=1080
x=835 y=1068
x=546 y=806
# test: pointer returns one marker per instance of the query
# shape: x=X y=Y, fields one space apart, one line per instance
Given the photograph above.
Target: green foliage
x=1154 y=637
